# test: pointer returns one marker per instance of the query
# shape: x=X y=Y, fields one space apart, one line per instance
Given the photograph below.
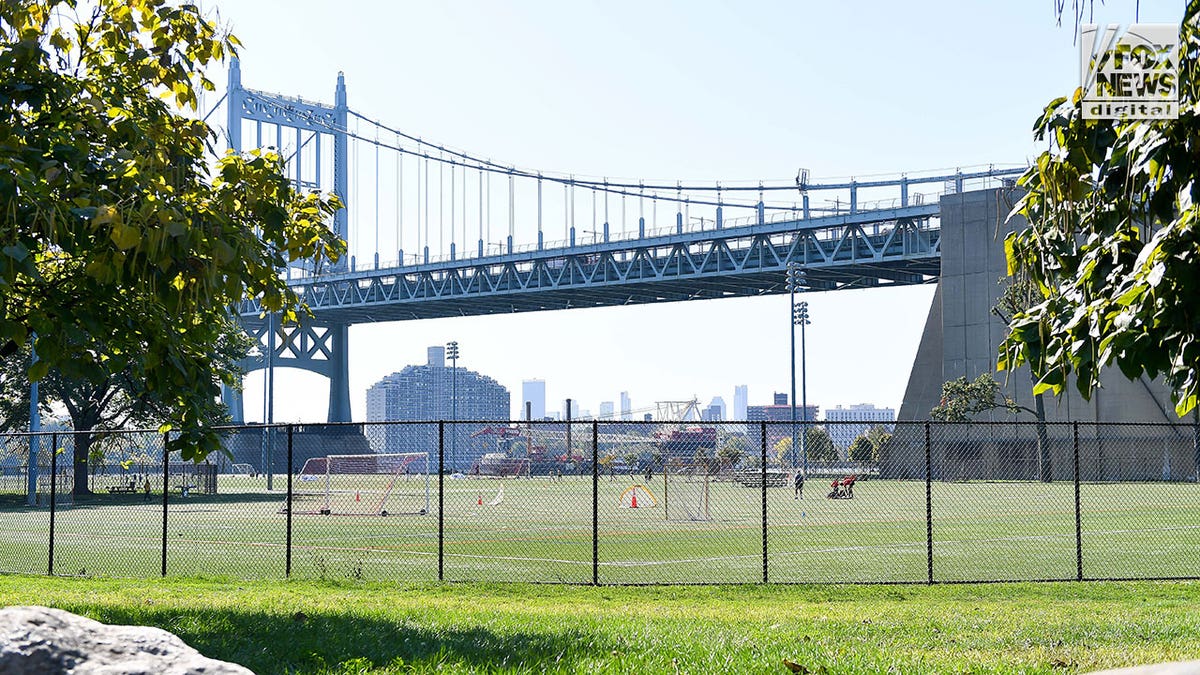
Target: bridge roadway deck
x=896 y=246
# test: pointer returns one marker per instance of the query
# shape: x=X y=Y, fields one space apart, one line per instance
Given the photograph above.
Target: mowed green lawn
x=302 y=627
x=538 y=530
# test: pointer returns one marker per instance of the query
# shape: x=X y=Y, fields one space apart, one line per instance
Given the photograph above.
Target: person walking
x=799 y=492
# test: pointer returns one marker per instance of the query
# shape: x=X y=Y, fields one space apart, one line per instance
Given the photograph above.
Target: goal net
x=685 y=495
x=363 y=485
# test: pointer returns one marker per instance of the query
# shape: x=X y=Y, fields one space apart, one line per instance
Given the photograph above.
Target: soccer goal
x=363 y=485
x=685 y=495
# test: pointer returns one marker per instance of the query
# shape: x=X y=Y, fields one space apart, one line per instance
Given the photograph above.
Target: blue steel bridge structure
x=453 y=248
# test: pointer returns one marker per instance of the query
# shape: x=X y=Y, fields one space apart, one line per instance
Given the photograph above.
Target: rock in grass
x=39 y=640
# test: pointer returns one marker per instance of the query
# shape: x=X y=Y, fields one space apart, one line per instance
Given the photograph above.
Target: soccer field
x=541 y=530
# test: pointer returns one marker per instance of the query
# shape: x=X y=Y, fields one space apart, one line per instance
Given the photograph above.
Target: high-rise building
x=857 y=419
x=740 y=401
x=606 y=410
x=715 y=412
x=534 y=392
x=780 y=399
x=626 y=407
x=423 y=393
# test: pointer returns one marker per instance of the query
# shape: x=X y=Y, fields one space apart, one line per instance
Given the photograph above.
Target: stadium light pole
x=800 y=316
x=452 y=352
x=797 y=280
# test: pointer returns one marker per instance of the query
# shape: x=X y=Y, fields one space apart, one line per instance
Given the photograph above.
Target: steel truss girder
x=310 y=346
x=897 y=247
x=288 y=112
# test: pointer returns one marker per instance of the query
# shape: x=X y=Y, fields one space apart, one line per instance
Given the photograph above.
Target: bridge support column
x=720 y=217
x=232 y=398
x=339 y=375
x=678 y=223
x=641 y=227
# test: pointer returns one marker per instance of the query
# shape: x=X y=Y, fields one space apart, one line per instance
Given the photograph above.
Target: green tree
x=732 y=449
x=1113 y=246
x=115 y=402
x=817 y=445
x=963 y=398
x=124 y=244
x=863 y=450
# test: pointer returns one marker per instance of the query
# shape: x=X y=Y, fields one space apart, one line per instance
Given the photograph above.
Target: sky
x=699 y=90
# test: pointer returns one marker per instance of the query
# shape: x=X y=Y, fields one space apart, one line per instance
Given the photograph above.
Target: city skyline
x=937 y=108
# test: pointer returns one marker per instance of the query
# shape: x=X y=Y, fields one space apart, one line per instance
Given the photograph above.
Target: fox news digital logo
x=1129 y=75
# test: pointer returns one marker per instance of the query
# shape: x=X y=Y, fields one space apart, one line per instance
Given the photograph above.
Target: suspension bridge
x=436 y=231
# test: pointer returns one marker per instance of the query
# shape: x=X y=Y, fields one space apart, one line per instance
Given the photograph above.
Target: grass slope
x=347 y=627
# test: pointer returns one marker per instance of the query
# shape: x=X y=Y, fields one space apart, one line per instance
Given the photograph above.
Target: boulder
x=41 y=640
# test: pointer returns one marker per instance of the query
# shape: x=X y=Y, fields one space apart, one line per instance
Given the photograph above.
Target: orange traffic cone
x=479 y=501
x=634 y=504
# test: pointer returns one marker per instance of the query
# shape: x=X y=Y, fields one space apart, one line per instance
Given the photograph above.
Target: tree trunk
x=83 y=444
x=1043 y=441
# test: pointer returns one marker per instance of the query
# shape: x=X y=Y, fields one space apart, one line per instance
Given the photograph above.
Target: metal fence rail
x=599 y=502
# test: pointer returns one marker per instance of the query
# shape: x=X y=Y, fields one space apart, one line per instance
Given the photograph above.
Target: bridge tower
x=302 y=129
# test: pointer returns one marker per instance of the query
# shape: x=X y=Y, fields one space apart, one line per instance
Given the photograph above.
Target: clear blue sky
x=678 y=90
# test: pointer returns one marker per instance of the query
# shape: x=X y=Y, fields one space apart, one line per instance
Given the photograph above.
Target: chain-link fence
x=613 y=502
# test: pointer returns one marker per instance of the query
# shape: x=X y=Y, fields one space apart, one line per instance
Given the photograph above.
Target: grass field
x=303 y=627
x=541 y=531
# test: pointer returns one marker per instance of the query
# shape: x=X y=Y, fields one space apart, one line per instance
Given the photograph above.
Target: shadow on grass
x=333 y=643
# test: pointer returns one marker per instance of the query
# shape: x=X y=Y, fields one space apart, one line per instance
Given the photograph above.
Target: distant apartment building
x=781 y=411
x=626 y=406
x=606 y=410
x=534 y=392
x=857 y=419
x=429 y=393
x=740 y=401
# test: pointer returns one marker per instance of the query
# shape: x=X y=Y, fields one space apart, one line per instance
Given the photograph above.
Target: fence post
x=1078 y=512
x=766 y=578
x=595 y=503
x=928 y=505
x=166 y=478
x=291 y=469
x=441 y=500
x=53 y=496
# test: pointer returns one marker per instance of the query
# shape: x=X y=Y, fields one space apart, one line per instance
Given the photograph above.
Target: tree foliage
x=817 y=445
x=867 y=446
x=962 y=399
x=1113 y=246
x=122 y=247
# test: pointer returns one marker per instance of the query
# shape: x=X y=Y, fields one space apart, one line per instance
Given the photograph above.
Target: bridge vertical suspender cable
x=376 y=205
x=452 y=204
x=426 y=200
x=481 y=213
x=441 y=207
x=400 y=204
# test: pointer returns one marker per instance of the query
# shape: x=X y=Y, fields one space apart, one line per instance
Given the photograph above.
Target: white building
x=740 y=403
x=855 y=421
x=606 y=410
x=626 y=406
